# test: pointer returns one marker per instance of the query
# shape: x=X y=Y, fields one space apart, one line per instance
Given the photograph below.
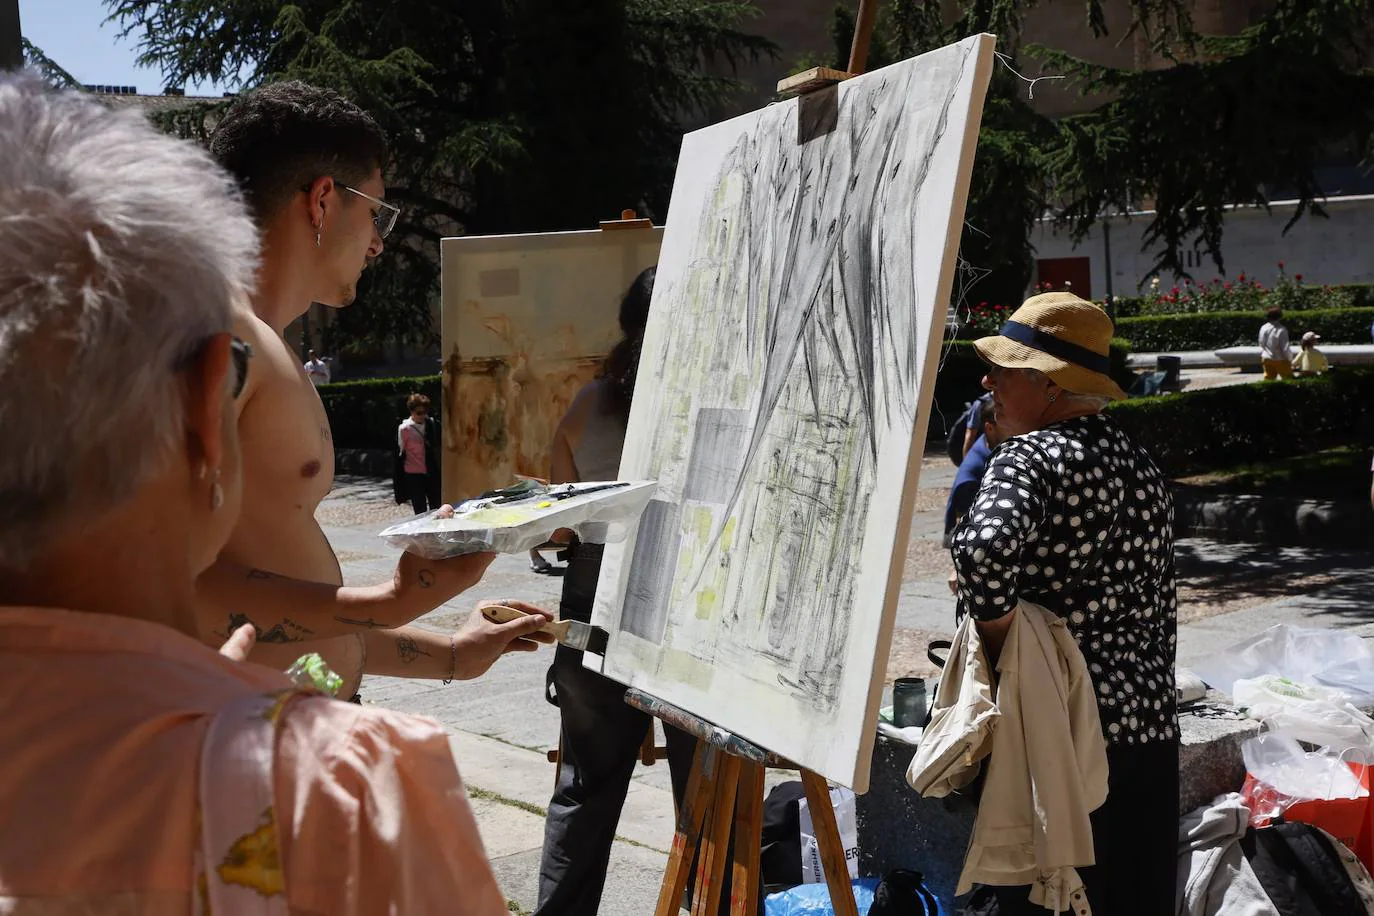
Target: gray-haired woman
x=1074 y=516
x=140 y=770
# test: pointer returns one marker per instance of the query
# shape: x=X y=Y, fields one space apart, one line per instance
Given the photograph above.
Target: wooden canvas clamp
x=725 y=796
x=821 y=77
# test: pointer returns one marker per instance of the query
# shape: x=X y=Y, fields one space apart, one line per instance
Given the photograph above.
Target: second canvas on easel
x=786 y=371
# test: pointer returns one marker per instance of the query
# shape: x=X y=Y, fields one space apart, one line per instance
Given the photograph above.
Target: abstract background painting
x=527 y=321
x=786 y=371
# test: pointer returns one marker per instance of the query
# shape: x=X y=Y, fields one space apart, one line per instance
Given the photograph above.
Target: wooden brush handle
x=500 y=613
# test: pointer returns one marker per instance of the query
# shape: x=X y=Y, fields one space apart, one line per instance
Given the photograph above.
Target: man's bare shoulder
x=272 y=362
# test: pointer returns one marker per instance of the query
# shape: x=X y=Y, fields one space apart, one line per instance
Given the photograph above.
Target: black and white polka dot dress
x=1076 y=518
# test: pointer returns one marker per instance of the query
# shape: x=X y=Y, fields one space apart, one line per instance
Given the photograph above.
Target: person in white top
x=317 y=369
x=1275 y=355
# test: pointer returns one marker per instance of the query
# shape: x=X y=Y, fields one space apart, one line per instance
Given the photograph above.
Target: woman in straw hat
x=1074 y=516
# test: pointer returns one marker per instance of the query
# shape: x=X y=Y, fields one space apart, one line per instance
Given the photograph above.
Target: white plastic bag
x=1330 y=658
x=1318 y=715
x=599 y=511
x=846 y=817
x=1279 y=761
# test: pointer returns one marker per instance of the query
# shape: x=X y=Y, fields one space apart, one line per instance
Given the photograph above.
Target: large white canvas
x=781 y=404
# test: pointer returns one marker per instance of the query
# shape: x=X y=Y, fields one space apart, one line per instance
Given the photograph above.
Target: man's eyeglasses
x=385 y=218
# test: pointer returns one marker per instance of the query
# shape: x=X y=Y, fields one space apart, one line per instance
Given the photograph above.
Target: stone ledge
x=1276 y=520
x=364 y=462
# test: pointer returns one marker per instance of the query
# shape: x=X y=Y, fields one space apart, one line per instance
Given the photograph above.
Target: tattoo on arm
x=426 y=578
x=285 y=632
x=408 y=649
x=369 y=623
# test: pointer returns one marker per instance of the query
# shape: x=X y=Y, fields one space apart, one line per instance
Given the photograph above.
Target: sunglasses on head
x=240 y=352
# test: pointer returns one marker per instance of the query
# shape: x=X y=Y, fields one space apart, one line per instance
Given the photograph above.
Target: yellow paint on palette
x=496 y=516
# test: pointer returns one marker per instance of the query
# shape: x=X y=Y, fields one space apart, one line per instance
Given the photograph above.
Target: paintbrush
x=572 y=633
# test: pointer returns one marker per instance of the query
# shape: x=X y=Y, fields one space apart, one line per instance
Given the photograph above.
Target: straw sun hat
x=1063 y=336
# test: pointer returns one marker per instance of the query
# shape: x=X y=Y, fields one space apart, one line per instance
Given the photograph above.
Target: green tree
x=1233 y=121
x=504 y=115
x=50 y=70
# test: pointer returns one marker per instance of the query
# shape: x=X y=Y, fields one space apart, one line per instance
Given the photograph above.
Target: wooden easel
x=725 y=792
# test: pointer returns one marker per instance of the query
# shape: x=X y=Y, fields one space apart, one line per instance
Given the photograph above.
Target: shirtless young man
x=310 y=163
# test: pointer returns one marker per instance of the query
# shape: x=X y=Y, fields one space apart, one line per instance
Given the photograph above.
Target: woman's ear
x=206 y=402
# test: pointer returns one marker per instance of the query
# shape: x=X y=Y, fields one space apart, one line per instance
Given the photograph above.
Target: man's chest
x=288 y=449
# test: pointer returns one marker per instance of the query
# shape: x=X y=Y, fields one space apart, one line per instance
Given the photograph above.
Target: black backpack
x=1305 y=872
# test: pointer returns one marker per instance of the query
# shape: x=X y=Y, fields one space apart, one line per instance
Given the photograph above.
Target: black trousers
x=415 y=487
x=601 y=740
x=1135 y=839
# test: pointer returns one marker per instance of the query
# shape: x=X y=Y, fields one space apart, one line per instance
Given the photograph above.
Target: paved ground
x=501 y=726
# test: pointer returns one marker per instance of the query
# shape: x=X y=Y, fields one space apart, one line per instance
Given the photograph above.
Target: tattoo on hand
x=408 y=649
x=369 y=623
x=426 y=578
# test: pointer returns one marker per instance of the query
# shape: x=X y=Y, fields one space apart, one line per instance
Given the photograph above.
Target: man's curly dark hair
x=279 y=138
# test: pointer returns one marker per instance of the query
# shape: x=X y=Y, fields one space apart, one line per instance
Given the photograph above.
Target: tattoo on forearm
x=369 y=623
x=286 y=631
x=426 y=578
x=408 y=649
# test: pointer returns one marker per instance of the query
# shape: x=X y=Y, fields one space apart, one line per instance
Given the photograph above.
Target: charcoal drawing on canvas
x=801 y=293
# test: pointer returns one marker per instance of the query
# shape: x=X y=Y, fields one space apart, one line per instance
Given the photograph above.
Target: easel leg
x=744 y=883
x=714 y=861
x=700 y=791
x=828 y=840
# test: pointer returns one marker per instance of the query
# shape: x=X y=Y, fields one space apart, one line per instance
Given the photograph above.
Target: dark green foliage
x=365 y=414
x=1246 y=116
x=1214 y=330
x=1218 y=427
x=1237 y=120
x=504 y=115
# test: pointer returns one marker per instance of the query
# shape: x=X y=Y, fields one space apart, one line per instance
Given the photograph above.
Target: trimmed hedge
x=1219 y=428
x=1301 y=298
x=1214 y=330
x=365 y=414
x=1186 y=433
